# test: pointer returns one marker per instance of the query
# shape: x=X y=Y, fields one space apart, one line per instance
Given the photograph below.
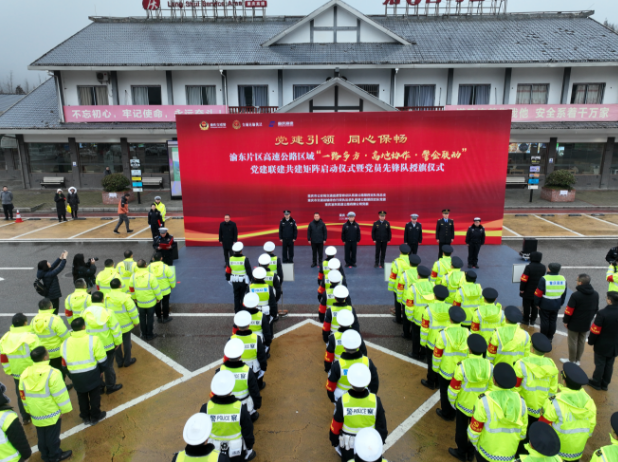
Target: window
x=419 y=95
x=202 y=95
x=153 y=157
x=474 y=94
x=93 y=95
x=532 y=94
x=300 y=90
x=94 y=157
x=147 y=96
x=614 y=167
x=9 y=156
x=49 y=157
x=372 y=89
x=580 y=158
x=520 y=158
x=587 y=93
x=252 y=95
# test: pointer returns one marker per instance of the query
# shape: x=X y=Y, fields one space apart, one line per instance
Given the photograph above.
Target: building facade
x=118 y=83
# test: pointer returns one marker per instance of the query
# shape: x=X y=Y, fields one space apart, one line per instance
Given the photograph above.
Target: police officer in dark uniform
x=228 y=236
x=544 y=442
x=288 y=232
x=165 y=244
x=475 y=238
x=351 y=236
x=612 y=255
x=381 y=236
x=445 y=231
x=413 y=233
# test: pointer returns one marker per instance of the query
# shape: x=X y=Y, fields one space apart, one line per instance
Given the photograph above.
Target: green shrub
x=115 y=182
x=560 y=179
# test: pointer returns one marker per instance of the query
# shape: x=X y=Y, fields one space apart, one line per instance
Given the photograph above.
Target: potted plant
x=558 y=186
x=114 y=187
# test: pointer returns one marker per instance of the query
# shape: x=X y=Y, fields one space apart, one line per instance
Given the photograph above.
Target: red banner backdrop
x=253 y=166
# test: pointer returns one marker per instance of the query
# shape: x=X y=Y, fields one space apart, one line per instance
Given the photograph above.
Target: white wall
x=72 y=79
x=542 y=75
x=606 y=75
x=256 y=77
x=369 y=34
x=128 y=78
x=302 y=77
x=437 y=77
x=180 y=79
x=493 y=77
x=381 y=77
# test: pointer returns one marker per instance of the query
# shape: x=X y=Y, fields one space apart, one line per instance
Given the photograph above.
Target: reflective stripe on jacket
x=125 y=270
x=345 y=365
x=486 y=319
x=225 y=420
x=508 y=344
x=451 y=347
x=399 y=265
x=76 y=303
x=241 y=374
x=417 y=298
x=165 y=274
x=8 y=453
x=103 y=323
x=537 y=379
x=82 y=352
x=15 y=348
x=359 y=413
x=405 y=280
x=434 y=318
x=51 y=331
x=472 y=377
x=124 y=308
x=44 y=394
x=146 y=291
x=104 y=279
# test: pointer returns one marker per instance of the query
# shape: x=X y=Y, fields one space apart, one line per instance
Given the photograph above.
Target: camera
x=94 y=258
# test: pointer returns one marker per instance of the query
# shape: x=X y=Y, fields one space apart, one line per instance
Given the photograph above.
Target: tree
x=19 y=90
x=610 y=25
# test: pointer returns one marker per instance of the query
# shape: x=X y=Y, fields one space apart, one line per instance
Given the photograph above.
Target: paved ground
x=171 y=378
x=520 y=199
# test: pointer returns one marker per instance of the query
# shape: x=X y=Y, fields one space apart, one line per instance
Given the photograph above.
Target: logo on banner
x=151 y=4
x=271 y=124
x=204 y=125
x=236 y=125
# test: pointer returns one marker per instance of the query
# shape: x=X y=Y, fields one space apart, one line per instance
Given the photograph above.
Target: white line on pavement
x=563 y=238
x=407 y=424
x=559 y=226
x=584 y=267
x=16 y=269
x=8 y=224
x=511 y=231
x=601 y=220
x=92 y=229
x=156 y=353
x=37 y=230
x=139 y=232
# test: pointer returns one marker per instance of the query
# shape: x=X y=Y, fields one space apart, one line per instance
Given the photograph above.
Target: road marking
x=563 y=238
x=584 y=267
x=559 y=226
x=407 y=424
x=16 y=269
x=138 y=232
x=602 y=221
x=156 y=353
x=511 y=231
x=36 y=230
x=8 y=224
x=92 y=229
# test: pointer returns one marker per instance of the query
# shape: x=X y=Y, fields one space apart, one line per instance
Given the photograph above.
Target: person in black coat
x=445 y=231
x=578 y=316
x=533 y=272
x=84 y=270
x=73 y=200
x=155 y=220
x=288 y=233
x=549 y=306
x=165 y=244
x=604 y=338
x=61 y=205
x=228 y=235
x=413 y=233
x=48 y=273
x=15 y=432
x=381 y=235
x=351 y=236
x=316 y=235
x=612 y=255
x=475 y=238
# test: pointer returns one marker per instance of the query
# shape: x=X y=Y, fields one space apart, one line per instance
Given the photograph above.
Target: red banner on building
x=254 y=166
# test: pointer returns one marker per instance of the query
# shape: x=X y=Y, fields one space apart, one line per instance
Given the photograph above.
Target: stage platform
x=202 y=272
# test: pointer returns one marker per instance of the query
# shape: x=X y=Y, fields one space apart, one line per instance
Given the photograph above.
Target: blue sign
x=137 y=184
x=533 y=181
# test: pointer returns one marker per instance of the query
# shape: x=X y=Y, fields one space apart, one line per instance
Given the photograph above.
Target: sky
x=30 y=29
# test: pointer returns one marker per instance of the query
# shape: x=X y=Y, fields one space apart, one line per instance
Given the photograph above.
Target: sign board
x=135 y=163
x=547 y=112
x=535 y=160
x=138 y=190
x=137 y=184
x=535 y=175
x=533 y=186
x=535 y=169
x=136 y=178
x=518 y=270
x=174 y=160
x=136 y=173
x=135 y=113
x=533 y=181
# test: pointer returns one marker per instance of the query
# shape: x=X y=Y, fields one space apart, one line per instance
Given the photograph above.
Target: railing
x=421 y=108
x=252 y=109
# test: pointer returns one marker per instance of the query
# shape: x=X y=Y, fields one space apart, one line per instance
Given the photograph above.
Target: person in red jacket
x=123 y=213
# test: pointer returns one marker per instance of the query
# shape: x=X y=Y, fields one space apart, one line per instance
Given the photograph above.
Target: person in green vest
x=266 y=294
x=323 y=269
x=246 y=389
x=609 y=453
x=275 y=263
x=14 y=447
x=434 y=319
x=78 y=301
x=509 y=343
x=337 y=383
x=331 y=265
x=404 y=282
x=398 y=267
x=356 y=409
x=231 y=422
x=417 y=298
x=166 y=275
x=196 y=434
x=549 y=297
x=272 y=279
x=544 y=444
x=443 y=266
x=123 y=306
x=160 y=206
x=238 y=274
x=368 y=446
x=45 y=398
x=259 y=322
x=126 y=268
x=326 y=298
x=104 y=277
x=454 y=279
x=451 y=347
x=334 y=346
x=488 y=316
x=571 y=412
x=255 y=354
x=472 y=378
x=537 y=379
x=15 y=348
x=469 y=297
x=341 y=294
x=500 y=419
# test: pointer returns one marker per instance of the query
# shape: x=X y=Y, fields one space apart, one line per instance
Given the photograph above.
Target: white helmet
x=234 y=348
x=351 y=340
x=259 y=273
x=269 y=246
x=264 y=259
x=330 y=251
x=237 y=247
x=334 y=264
x=334 y=276
x=359 y=375
x=242 y=318
x=368 y=444
x=223 y=383
x=341 y=291
x=197 y=429
x=345 y=318
x=251 y=300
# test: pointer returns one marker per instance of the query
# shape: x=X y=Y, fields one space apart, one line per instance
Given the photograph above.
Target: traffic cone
x=18 y=219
